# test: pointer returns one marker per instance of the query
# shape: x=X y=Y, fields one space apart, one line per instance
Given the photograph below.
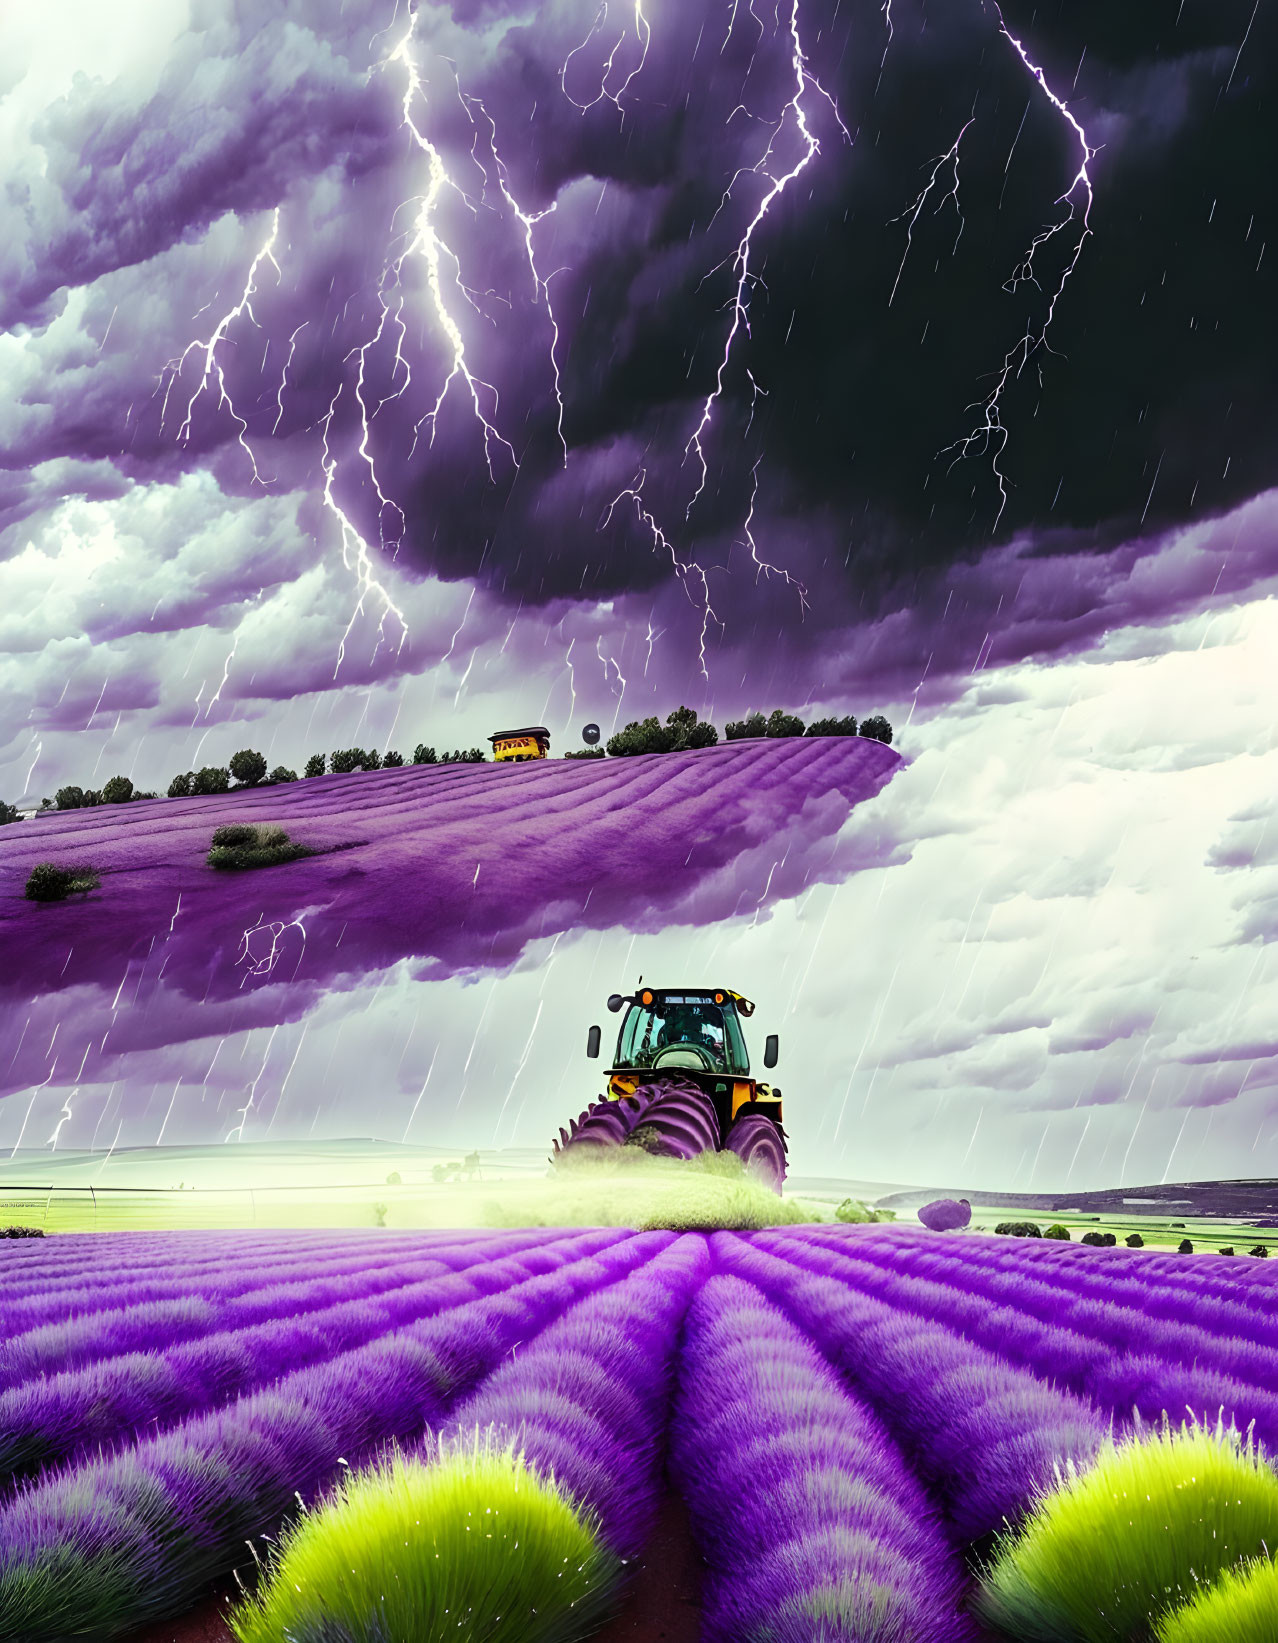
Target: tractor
x=680 y=1083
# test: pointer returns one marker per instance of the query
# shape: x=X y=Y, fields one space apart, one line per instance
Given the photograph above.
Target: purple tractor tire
x=760 y=1145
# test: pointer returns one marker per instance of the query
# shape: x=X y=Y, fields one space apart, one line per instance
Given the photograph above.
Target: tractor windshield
x=677 y=1031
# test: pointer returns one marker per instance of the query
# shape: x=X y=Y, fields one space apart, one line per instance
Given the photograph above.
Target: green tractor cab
x=680 y=1082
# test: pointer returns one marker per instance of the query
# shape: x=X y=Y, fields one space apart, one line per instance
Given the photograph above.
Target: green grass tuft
x=1156 y=1520
x=1242 y=1607
x=241 y=845
x=472 y=1546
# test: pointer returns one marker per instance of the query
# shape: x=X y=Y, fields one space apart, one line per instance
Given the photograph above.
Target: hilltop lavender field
x=456 y=867
x=845 y=1411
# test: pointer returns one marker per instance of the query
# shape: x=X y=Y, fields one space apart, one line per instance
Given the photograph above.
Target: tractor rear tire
x=760 y=1145
x=603 y=1124
x=682 y=1115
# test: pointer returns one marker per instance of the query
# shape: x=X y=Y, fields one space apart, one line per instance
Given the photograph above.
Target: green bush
x=1018 y=1229
x=1134 y=1240
x=21 y=1232
x=212 y=779
x=48 y=882
x=315 y=765
x=1099 y=1240
x=586 y=753
x=424 y=755
x=397 y=1553
x=393 y=760
x=855 y=1213
x=70 y=798
x=238 y=846
x=1241 y=1607
x=877 y=728
x=784 y=724
x=1185 y=1246
x=1059 y=1231
x=248 y=766
x=744 y=730
x=469 y=755
x=119 y=790
x=180 y=786
x=347 y=759
x=832 y=727
x=9 y=813
x=372 y=759
x=282 y=773
x=1108 y=1553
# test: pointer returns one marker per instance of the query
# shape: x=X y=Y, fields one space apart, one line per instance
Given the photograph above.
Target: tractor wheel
x=760 y=1145
x=603 y=1124
x=682 y=1115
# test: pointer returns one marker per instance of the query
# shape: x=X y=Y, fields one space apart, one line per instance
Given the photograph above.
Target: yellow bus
x=532 y=742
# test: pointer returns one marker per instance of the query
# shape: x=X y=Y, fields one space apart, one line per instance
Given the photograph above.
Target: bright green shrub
x=1018 y=1229
x=119 y=790
x=472 y=1546
x=1059 y=1231
x=855 y=1213
x=1242 y=1607
x=1113 y=1549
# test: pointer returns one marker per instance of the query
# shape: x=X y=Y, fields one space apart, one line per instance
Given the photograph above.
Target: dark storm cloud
x=1150 y=404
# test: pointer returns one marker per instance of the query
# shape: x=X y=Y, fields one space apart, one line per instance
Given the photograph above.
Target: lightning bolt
x=951 y=156
x=990 y=434
x=427 y=244
x=763 y=567
x=611 y=662
x=238 y=1130
x=209 y=346
x=263 y=963
x=643 y=35
x=687 y=569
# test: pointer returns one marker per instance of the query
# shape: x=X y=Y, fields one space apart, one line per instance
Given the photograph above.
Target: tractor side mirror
x=592 y=1043
x=615 y=1001
x=771 y=1049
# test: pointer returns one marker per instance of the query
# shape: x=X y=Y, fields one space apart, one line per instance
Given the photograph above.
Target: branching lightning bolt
x=991 y=433
x=687 y=569
x=209 y=346
x=643 y=34
x=263 y=963
x=951 y=157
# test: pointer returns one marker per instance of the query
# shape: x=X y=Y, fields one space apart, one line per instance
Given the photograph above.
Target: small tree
x=1134 y=1240
x=424 y=755
x=784 y=724
x=744 y=730
x=315 y=765
x=282 y=773
x=1185 y=1246
x=877 y=729
x=439 y=1174
x=180 y=786
x=9 y=813
x=394 y=1179
x=372 y=759
x=119 y=790
x=248 y=766
x=212 y=779
x=70 y=798
x=392 y=760
x=833 y=727
x=92 y=796
x=347 y=759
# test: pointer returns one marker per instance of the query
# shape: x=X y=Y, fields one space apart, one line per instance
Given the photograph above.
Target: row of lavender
x=846 y=1404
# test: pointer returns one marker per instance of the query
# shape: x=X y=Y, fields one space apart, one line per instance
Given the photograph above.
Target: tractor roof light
x=646 y=996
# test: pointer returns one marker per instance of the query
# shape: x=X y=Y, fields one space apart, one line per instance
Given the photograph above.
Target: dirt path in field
x=663 y=1603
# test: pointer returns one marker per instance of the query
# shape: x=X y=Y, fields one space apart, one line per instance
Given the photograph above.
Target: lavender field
x=454 y=867
x=854 y=1417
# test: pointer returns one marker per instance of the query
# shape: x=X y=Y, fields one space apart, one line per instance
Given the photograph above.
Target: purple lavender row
x=100 y=1406
x=153 y=1325
x=114 y=1254
x=589 y=1399
x=984 y=1434
x=1121 y=1360
x=103 y=1546
x=81 y=1291
x=803 y=1507
x=1085 y=1332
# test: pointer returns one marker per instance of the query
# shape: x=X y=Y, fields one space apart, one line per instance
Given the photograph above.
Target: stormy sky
x=381 y=375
